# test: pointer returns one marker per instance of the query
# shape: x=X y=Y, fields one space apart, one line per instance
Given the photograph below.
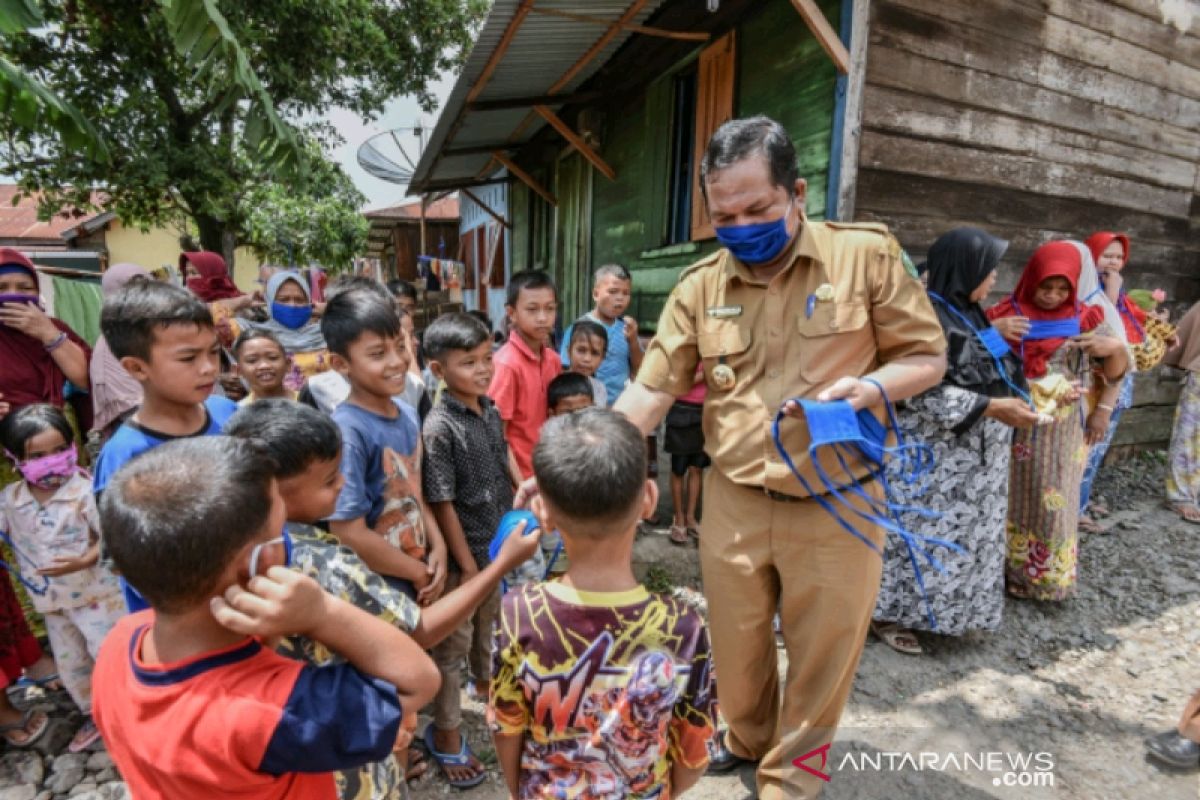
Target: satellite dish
x=393 y=155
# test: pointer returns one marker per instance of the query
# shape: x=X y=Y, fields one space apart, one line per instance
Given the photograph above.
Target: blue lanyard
x=989 y=337
x=861 y=437
x=38 y=590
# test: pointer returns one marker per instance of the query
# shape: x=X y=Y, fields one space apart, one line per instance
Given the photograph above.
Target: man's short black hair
x=590 y=328
x=351 y=313
x=294 y=435
x=130 y=318
x=175 y=516
x=739 y=139
x=529 y=279
x=591 y=468
x=398 y=287
x=249 y=335
x=459 y=331
x=27 y=422
x=568 y=384
x=482 y=317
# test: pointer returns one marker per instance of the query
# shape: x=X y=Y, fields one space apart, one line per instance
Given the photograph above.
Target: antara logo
x=823 y=752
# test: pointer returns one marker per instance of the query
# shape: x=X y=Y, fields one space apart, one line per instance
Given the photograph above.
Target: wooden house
x=1035 y=119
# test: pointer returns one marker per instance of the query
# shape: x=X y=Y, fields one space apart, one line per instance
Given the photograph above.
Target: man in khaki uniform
x=789 y=308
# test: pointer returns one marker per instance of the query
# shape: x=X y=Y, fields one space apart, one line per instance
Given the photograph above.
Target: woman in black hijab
x=967 y=422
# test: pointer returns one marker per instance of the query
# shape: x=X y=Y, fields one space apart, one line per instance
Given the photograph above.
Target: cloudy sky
x=402 y=112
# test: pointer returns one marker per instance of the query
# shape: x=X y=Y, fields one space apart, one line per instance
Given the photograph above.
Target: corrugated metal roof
x=21 y=221
x=541 y=52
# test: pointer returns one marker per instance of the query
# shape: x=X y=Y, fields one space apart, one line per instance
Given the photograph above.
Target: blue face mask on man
x=294 y=317
x=759 y=242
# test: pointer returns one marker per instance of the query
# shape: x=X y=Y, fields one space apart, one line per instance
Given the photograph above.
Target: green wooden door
x=573 y=232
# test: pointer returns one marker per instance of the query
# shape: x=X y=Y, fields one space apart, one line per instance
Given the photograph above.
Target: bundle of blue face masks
x=860 y=437
x=992 y=340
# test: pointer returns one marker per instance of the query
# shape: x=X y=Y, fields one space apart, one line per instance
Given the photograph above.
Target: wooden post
x=424 y=251
x=826 y=35
x=577 y=141
x=525 y=178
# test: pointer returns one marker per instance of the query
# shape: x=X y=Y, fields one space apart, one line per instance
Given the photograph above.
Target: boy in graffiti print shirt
x=600 y=689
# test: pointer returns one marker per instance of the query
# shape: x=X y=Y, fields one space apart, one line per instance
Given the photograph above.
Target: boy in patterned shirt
x=305 y=447
x=600 y=689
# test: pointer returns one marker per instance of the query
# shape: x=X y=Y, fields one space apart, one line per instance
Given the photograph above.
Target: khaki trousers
x=471 y=641
x=758 y=555
x=1189 y=723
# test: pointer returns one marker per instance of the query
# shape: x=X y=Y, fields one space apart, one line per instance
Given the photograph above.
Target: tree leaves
x=201 y=35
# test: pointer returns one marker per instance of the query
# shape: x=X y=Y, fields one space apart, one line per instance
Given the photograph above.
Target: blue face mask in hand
x=294 y=317
x=758 y=243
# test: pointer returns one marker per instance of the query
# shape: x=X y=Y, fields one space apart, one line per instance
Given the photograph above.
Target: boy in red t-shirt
x=525 y=365
x=190 y=702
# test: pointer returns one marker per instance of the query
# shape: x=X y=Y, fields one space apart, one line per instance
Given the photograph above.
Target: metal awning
x=530 y=53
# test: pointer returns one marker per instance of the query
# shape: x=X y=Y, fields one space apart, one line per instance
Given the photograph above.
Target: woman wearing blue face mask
x=292 y=322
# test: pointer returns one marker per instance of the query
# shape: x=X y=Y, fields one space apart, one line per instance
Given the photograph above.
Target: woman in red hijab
x=39 y=353
x=207 y=276
x=1064 y=347
x=1111 y=251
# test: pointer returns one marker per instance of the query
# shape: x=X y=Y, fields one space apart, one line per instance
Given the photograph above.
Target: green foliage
x=324 y=227
x=658 y=580
x=203 y=102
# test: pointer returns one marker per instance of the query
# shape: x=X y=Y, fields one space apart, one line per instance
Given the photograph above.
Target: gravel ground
x=1077 y=687
x=1082 y=684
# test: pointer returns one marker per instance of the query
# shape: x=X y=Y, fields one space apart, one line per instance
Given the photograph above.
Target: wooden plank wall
x=1038 y=120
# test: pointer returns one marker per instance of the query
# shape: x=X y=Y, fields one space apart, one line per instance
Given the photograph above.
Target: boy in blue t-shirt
x=612 y=292
x=164 y=337
x=381 y=514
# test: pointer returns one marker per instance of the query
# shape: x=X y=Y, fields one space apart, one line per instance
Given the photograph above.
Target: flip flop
x=27 y=682
x=891 y=634
x=460 y=759
x=31 y=737
x=87 y=735
x=678 y=535
x=1178 y=509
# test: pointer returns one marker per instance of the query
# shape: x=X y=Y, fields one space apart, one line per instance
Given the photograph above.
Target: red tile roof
x=444 y=209
x=21 y=221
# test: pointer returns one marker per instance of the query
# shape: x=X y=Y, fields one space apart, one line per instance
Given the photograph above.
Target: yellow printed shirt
x=608 y=689
x=844 y=306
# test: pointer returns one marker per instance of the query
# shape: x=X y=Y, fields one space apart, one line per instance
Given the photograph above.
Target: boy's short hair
x=175 y=516
x=346 y=283
x=130 y=317
x=482 y=317
x=398 y=287
x=588 y=327
x=529 y=279
x=27 y=422
x=293 y=435
x=612 y=271
x=352 y=312
x=591 y=468
x=568 y=384
x=249 y=335
x=458 y=331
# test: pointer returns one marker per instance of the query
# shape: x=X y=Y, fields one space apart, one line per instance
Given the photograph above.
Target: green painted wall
x=783 y=73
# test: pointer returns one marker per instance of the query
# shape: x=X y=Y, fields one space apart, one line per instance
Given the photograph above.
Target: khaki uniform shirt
x=866 y=310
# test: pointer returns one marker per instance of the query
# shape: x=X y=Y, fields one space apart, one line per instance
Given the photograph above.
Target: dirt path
x=1082 y=683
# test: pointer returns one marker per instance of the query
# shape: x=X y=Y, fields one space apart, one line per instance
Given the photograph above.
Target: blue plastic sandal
x=460 y=759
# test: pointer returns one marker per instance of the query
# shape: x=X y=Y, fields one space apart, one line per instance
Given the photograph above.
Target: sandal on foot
x=39 y=721
x=678 y=535
x=50 y=683
x=1173 y=750
x=694 y=532
x=462 y=758
x=1182 y=510
x=902 y=640
x=87 y=735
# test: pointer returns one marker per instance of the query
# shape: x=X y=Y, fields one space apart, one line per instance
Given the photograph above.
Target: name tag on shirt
x=724 y=312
